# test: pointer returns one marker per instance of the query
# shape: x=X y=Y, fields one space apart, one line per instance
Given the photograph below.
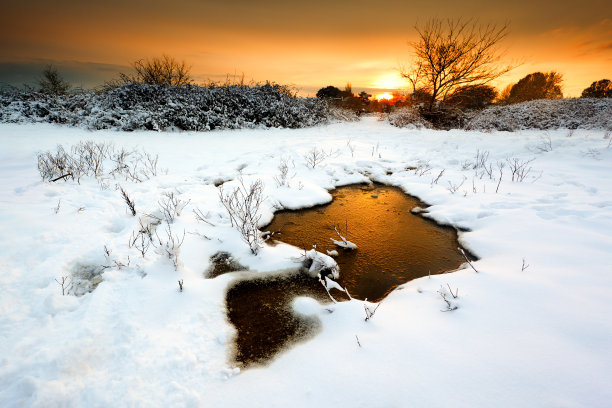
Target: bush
x=472 y=97
x=159 y=107
x=579 y=113
x=408 y=117
x=598 y=89
x=537 y=85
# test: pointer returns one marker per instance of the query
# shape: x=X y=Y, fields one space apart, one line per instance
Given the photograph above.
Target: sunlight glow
x=391 y=80
x=384 y=97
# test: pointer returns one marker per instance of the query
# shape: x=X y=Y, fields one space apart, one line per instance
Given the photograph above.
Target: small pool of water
x=394 y=246
x=260 y=307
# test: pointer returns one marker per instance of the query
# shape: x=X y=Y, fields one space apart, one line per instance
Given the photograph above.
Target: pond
x=394 y=246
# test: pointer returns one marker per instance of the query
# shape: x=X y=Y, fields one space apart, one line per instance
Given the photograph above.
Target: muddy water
x=394 y=246
x=260 y=307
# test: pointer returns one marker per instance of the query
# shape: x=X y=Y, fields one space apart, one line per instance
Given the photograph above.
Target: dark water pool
x=394 y=246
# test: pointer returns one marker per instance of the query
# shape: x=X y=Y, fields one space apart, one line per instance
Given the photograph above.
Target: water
x=393 y=247
x=260 y=308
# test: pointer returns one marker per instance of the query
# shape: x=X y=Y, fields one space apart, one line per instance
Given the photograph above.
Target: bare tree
x=52 y=82
x=450 y=54
x=414 y=75
x=164 y=70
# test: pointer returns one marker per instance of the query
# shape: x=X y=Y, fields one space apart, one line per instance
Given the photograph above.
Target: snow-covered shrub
x=169 y=245
x=156 y=107
x=53 y=166
x=89 y=158
x=243 y=206
x=315 y=157
x=576 y=113
x=171 y=206
x=342 y=114
x=409 y=117
x=283 y=176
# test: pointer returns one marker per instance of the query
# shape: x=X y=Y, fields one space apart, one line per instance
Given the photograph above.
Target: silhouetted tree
x=364 y=96
x=348 y=92
x=164 y=70
x=537 y=85
x=452 y=54
x=329 y=92
x=52 y=83
x=598 y=89
x=473 y=97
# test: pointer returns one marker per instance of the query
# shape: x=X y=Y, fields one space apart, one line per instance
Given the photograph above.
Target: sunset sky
x=309 y=44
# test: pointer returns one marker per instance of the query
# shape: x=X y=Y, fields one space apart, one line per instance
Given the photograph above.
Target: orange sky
x=309 y=44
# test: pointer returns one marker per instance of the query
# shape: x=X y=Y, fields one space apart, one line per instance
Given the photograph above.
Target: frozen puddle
x=393 y=246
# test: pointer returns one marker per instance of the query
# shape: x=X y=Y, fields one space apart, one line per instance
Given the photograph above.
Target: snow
x=538 y=336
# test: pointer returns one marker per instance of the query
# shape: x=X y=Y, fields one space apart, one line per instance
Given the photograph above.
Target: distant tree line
x=454 y=61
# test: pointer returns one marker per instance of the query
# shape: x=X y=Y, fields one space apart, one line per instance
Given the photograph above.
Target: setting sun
x=384 y=97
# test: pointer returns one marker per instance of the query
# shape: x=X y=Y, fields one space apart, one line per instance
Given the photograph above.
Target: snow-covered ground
x=538 y=337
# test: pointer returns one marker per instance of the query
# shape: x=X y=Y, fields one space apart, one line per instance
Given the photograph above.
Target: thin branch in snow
x=435 y=180
x=128 y=201
x=525 y=265
x=65 y=284
x=454 y=187
x=450 y=306
x=500 y=166
x=369 y=312
x=351 y=147
x=199 y=215
x=466 y=258
x=454 y=295
x=172 y=206
x=518 y=168
x=314 y=157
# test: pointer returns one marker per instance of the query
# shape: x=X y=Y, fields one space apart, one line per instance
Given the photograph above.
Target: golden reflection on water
x=393 y=245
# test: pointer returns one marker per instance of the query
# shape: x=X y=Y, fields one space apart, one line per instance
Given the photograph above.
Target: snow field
x=534 y=337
